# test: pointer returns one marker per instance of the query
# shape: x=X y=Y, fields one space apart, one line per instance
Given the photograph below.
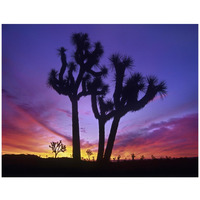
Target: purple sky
x=31 y=108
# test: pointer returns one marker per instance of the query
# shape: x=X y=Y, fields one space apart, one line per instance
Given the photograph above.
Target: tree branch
x=94 y=106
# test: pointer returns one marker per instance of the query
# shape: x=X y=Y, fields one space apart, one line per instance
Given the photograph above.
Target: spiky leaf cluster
x=127 y=90
x=105 y=105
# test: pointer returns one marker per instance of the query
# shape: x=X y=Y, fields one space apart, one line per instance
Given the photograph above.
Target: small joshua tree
x=168 y=157
x=133 y=156
x=142 y=157
x=118 y=158
x=57 y=147
x=89 y=153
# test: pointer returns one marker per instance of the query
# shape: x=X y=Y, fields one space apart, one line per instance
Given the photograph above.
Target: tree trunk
x=75 y=131
x=111 y=139
x=101 y=140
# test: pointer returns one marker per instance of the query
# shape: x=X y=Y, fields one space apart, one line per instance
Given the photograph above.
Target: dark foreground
x=33 y=166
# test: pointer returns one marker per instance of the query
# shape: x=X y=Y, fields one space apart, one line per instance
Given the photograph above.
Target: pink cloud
x=177 y=137
x=67 y=112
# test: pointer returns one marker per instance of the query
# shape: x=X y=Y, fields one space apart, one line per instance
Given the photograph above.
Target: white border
x=104 y=11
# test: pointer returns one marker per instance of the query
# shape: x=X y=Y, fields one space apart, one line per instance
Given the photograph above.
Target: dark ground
x=33 y=166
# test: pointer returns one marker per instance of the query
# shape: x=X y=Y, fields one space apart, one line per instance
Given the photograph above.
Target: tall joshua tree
x=126 y=94
x=77 y=74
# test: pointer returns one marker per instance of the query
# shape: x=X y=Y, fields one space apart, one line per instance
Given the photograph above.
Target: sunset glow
x=33 y=115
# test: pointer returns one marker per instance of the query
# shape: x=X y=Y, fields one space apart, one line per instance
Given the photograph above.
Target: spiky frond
x=152 y=80
x=81 y=41
x=121 y=61
x=127 y=61
x=61 y=50
x=104 y=71
x=133 y=86
x=97 y=83
x=156 y=87
x=98 y=50
x=72 y=66
x=162 y=89
x=109 y=105
x=115 y=59
x=136 y=78
x=52 y=78
x=93 y=86
x=105 y=106
x=94 y=56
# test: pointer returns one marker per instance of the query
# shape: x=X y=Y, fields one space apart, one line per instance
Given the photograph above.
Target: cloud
x=177 y=136
x=7 y=94
x=67 y=112
x=24 y=129
x=30 y=127
x=33 y=113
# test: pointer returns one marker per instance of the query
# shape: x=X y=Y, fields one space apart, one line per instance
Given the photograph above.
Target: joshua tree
x=89 y=153
x=133 y=156
x=126 y=94
x=168 y=157
x=57 y=147
x=153 y=157
x=142 y=157
x=77 y=75
x=118 y=158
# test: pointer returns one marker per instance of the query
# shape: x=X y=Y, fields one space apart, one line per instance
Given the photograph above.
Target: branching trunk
x=111 y=139
x=75 y=131
x=101 y=140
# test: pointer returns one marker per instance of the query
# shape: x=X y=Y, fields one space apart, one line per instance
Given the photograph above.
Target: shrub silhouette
x=118 y=158
x=168 y=157
x=142 y=157
x=126 y=94
x=57 y=147
x=85 y=58
x=89 y=153
x=133 y=156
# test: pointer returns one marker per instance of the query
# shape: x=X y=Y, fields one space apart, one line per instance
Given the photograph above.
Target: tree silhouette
x=142 y=157
x=168 y=157
x=89 y=153
x=57 y=147
x=77 y=74
x=133 y=156
x=126 y=94
x=153 y=157
x=118 y=158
